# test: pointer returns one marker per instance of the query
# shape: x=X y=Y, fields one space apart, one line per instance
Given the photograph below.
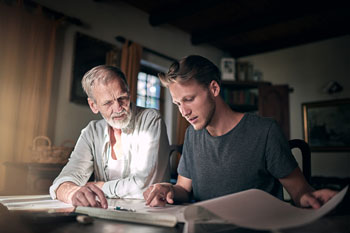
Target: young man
x=126 y=151
x=225 y=151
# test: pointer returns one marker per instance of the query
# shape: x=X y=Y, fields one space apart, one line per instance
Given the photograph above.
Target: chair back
x=174 y=155
x=306 y=156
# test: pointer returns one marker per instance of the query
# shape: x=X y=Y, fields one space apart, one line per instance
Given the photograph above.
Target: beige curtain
x=130 y=65
x=27 y=43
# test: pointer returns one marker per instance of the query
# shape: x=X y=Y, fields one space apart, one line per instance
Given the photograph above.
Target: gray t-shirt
x=254 y=154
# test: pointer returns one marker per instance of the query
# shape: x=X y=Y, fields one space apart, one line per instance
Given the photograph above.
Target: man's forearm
x=180 y=194
x=305 y=189
x=66 y=191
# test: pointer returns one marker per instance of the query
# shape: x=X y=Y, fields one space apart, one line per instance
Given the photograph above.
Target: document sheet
x=255 y=209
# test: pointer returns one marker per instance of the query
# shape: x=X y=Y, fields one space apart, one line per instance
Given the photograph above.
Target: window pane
x=153 y=86
x=154 y=103
x=141 y=101
x=148 y=102
x=141 y=88
x=142 y=76
x=148 y=91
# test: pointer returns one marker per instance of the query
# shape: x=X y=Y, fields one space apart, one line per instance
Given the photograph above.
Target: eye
x=188 y=99
x=123 y=99
x=107 y=103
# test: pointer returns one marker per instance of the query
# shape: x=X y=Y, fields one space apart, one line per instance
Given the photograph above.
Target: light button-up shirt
x=145 y=154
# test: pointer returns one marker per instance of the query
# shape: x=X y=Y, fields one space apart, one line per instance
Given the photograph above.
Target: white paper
x=140 y=206
x=257 y=210
x=167 y=216
x=33 y=203
x=158 y=219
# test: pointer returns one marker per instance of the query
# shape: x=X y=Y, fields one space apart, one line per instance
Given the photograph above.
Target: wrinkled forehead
x=114 y=89
x=109 y=81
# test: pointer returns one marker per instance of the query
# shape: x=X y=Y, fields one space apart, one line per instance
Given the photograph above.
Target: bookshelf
x=242 y=96
x=262 y=98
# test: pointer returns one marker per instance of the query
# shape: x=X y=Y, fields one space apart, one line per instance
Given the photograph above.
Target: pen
x=120 y=208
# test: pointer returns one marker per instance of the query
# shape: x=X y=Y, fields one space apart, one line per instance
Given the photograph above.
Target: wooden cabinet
x=262 y=98
x=29 y=178
x=274 y=102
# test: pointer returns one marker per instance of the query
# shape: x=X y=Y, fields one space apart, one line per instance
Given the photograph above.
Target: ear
x=93 y=106
x=214 y=88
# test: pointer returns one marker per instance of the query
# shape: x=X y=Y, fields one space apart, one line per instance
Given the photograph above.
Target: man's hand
x=159 y=194
x=86 y=196
x=317 y=198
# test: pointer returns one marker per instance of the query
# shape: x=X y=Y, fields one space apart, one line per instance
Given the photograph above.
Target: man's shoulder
x=96 y=125
x=256 y=120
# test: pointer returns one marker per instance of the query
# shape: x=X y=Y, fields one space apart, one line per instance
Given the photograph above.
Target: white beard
x=119 y=124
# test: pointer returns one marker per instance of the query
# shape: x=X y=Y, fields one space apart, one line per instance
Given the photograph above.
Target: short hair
x=104 y=74
x=191 y=67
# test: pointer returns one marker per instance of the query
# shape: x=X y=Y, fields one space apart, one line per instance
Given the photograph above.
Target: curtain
x=182 y=125
x=27 y=44
x=130 y=65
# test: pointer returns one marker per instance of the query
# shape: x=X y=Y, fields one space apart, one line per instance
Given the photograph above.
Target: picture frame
x=88 y=53
x=326 y=125
x=228 y=69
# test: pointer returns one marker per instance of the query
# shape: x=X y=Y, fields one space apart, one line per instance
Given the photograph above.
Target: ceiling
x=247 y=27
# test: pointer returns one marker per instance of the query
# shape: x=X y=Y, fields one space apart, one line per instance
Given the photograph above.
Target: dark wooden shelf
x=244 y=107
x=242 y=84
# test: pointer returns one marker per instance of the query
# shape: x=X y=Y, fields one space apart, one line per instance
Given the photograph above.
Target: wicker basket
x=44 y=152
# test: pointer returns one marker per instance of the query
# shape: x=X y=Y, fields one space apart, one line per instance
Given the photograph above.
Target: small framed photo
x=326 y=125
x=228 y=69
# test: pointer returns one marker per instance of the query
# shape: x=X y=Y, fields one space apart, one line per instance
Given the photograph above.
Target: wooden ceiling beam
x=287 y=41
x=169 y=13
x=265 y=19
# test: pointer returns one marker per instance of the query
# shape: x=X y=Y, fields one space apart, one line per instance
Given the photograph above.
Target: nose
x=185 y=111
x=117 y=107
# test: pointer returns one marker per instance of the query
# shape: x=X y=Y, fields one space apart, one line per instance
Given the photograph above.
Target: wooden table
x=98 y=225
x=338 y=221
x=329 y=224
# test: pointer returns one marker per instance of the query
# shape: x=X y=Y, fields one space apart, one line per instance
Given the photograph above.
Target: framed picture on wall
x=228 y=69
x=88 y=53
x=326 y=125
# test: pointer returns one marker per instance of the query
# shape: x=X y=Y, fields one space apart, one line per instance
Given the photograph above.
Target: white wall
x=307 y=69
x=105 y=23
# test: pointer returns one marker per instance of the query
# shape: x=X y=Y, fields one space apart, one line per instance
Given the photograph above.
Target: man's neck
x=115 y=140
x=116 y=131
x=224 y=119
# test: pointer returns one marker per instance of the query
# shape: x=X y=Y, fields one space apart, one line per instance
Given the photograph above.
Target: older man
x=126 y=151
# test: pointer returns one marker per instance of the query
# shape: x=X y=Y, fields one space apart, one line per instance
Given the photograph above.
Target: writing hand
x=317 y=198
x=159 y=195
x=86 y=196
